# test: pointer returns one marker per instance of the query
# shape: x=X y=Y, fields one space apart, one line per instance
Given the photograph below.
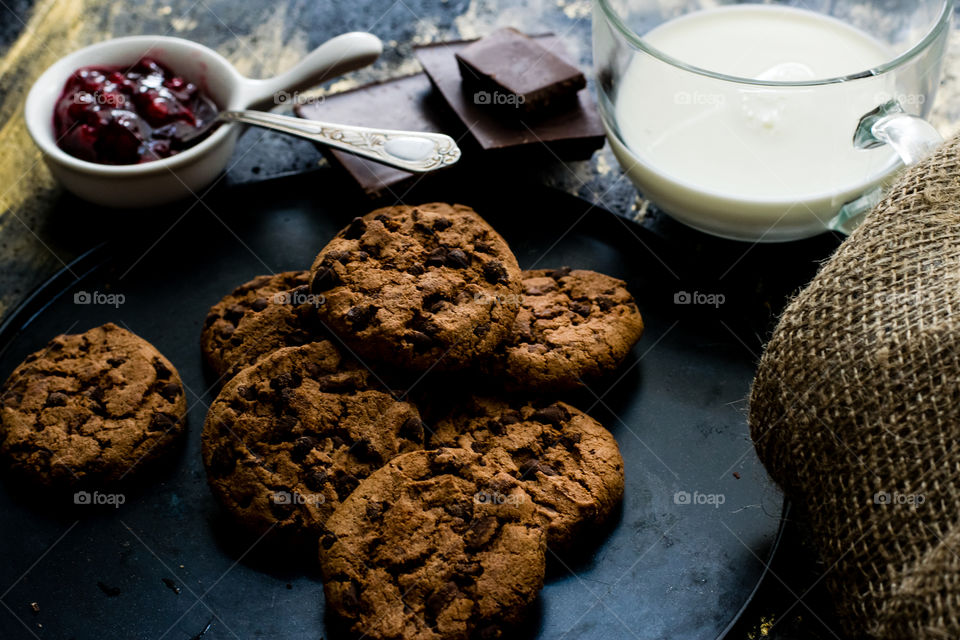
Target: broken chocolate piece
x=508 y=69
x=568 y=134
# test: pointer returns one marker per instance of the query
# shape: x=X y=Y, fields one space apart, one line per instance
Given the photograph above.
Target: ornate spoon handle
x=408 y=150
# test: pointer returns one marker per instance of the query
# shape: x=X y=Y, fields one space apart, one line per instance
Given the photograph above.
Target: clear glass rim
x=942 y=23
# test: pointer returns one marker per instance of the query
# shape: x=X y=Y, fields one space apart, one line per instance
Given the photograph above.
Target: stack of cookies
x=433 y=518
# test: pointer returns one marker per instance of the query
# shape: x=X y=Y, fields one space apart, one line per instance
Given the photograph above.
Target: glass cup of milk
x=767 y=122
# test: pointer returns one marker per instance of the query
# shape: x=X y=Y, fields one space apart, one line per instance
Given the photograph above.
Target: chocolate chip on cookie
x=573 y=326
x=419 y=287
x=257 y=318
x=436 y=545
x=565 y=460
x=90 y=409
x=290 y=437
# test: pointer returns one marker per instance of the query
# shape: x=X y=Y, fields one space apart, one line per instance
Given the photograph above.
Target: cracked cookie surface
x=573 y=326
x=289 y=438
x=567 y=462
x=256 y=319
x=415 y=554
x=90 y=409
x=419 y=287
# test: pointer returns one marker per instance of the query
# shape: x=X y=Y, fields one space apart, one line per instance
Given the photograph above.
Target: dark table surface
x=38 y=235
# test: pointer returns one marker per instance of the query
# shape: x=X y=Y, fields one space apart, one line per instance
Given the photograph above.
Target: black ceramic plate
x=699 y=518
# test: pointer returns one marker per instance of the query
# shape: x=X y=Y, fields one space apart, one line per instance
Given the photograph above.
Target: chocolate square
x=518 y=73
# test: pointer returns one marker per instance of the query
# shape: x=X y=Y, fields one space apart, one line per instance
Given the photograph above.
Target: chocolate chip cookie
x=564 y=459
x=289 y=438
x=419 y=552
x=90 y=409
x=573 y=327
x=257 y=318
x=419 y=287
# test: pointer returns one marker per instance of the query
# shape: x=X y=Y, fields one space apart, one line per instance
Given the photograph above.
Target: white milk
x=737 y=159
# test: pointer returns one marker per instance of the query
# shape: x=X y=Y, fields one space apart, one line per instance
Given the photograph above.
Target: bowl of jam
x=116 y=121
x=142 y=113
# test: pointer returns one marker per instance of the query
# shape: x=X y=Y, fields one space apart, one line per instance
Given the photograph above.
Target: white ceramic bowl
x=188 y=172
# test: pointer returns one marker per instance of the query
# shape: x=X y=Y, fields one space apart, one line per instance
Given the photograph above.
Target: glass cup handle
x=912 y=137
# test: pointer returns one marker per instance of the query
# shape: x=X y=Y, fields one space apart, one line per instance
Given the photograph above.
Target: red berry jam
x=118 y=115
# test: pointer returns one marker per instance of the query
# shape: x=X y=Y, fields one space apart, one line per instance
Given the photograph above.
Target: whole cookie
x=290 y=437
x=419 y=287
x=572 y=326
x=90 y=409
x=256 y=319
x=564 y=459
x=417 y=552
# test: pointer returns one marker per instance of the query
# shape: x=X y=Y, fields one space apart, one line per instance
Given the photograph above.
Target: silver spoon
x=413 y=151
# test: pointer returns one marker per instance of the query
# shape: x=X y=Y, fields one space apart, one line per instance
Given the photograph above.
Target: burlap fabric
x=855 y=410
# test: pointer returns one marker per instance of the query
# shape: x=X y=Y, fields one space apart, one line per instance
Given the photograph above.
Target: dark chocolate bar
x=436 y=103
x=511 y=71
x=570 y=134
